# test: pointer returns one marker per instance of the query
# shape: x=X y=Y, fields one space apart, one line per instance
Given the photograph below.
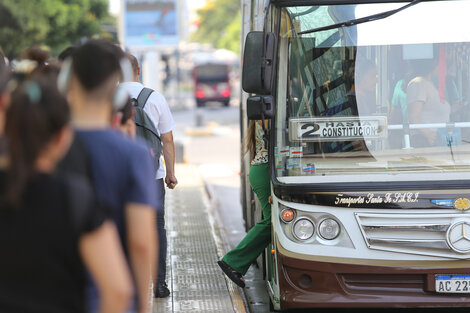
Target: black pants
x=161 y=276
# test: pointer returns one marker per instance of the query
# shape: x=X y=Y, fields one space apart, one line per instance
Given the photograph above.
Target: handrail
x=431 y=125
x=407 y=127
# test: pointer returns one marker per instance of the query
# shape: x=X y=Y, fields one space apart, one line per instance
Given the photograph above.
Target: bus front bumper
x=307 y=284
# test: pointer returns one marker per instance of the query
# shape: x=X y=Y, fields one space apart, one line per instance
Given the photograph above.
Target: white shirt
x=157 y=110
x=434 y=111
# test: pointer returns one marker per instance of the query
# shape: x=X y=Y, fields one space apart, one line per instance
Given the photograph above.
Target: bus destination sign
x=337 y=128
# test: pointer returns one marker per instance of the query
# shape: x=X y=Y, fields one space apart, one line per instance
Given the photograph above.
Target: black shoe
x=234 y=276
x=161 y=290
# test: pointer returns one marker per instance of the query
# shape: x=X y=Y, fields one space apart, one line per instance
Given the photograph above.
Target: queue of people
x=78 y=198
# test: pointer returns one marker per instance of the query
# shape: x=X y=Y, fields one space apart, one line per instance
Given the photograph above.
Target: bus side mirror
x=260 y=107
x=257 y=74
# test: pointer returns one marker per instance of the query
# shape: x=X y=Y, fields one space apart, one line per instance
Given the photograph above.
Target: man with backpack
x=154 y=124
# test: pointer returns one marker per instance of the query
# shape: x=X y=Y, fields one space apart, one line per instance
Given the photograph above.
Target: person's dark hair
x=4 y=77
x=2 y=59
x=423 y=67
x=67 y=52
x=348 y=74
x=36 y=54
x=134 y=63
x=250 y=139
x=359 y=67
x=127 y=109
x=37 y=112
x=50 y=72
x=43 y=71
x=95 y=62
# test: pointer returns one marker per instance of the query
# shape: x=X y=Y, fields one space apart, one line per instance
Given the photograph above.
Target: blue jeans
x=161 y=231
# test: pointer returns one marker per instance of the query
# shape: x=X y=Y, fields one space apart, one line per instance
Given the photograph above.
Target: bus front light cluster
x=312 y=227
x=303 y=229
x=329 y=229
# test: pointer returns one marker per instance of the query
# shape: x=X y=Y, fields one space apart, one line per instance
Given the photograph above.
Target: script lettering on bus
x=371 y=198
x=405 y=197
x=349 y=200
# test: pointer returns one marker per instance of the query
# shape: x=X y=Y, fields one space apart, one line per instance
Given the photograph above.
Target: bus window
x=381 y=107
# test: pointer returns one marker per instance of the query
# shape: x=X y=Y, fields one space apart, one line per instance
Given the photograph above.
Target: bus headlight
x=329 y=229
x=303 y=229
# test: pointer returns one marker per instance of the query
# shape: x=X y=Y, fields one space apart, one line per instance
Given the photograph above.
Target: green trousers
x=258 y=238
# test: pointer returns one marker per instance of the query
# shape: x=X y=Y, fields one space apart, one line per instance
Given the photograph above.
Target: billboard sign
x=150 y=23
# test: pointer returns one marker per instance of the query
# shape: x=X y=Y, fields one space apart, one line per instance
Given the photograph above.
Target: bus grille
x=424 y=234
x=380 y=283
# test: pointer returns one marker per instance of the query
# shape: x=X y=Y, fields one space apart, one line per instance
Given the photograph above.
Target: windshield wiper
x=361 y=20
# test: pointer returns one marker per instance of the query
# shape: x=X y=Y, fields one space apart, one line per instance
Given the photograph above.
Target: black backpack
x=145 y=128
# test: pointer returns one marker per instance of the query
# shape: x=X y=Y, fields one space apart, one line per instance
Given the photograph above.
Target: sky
x=114 y=6
x=192 y=4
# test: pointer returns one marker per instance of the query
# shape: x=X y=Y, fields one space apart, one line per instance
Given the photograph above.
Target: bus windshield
x=385 y=100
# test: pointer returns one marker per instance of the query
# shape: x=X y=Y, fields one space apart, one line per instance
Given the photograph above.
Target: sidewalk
x=194 y=246
x=224 y=190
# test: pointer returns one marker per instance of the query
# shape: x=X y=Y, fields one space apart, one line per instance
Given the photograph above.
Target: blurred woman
x=236 y=262
x=51 y=230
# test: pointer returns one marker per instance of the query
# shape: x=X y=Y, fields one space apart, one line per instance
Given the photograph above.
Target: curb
x=208 y=130
x=204 y=131
x=239 y=301
x=254 y=295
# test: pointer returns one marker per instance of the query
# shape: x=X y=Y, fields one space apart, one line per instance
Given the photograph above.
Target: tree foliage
x=231 y=38
x=54 y=24
x=220 y=24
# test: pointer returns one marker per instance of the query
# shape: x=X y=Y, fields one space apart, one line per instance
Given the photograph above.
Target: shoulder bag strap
x=143 y=97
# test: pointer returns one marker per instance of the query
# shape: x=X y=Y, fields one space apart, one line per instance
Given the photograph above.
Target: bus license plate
x=453 y=283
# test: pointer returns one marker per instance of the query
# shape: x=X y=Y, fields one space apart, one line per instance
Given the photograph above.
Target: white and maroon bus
x=212 y=83
x=368 y=105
